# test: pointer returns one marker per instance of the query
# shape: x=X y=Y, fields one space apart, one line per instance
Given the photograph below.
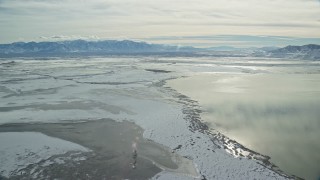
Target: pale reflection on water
x=274 y=114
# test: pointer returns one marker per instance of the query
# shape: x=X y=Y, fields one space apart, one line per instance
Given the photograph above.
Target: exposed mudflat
x=118 y=151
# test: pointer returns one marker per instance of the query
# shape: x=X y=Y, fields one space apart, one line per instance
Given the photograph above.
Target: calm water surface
x=274 y=114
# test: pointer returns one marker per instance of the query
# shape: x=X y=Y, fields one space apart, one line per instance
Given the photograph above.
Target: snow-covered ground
x=20 y=149
x=132 y=89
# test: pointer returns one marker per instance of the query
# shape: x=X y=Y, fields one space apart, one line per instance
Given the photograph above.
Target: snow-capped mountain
x=82 y=46
x=310 y=51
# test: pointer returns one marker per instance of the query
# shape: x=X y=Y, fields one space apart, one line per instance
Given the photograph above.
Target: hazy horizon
x=202 y=23
x=269 y=41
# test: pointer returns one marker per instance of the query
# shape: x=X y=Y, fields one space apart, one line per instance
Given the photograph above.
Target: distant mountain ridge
x=297 y=49
x=106 y=47
x=310 y=51
x=82 y=46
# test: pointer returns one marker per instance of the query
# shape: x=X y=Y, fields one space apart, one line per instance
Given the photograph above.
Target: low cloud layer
x=142 y=19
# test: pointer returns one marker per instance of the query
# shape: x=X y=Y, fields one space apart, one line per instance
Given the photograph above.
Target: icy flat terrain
x=131 y=89
x=20 y=149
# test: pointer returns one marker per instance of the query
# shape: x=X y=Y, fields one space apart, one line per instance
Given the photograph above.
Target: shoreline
x=229 y=145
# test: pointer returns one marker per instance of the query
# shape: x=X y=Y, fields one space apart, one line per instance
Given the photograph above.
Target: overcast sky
x=185 y=22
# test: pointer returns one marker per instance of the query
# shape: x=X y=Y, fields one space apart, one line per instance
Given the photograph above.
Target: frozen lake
x=34 y=93
x=275 y=112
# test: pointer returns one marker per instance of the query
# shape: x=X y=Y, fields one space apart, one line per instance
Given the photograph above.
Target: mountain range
x=88 y=47
x=82 y=47
x=310 y=51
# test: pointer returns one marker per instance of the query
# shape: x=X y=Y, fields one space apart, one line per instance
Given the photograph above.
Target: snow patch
x=20 y=149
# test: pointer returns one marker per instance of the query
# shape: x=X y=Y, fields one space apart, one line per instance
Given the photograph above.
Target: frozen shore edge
x=192 y=111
